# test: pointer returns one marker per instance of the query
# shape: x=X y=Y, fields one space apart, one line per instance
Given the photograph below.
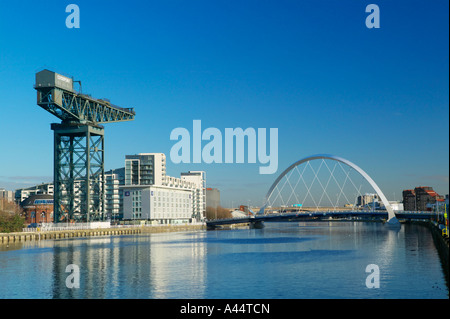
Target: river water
x=283 y=260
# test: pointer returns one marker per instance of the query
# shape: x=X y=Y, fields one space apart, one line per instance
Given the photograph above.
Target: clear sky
x=311 y=68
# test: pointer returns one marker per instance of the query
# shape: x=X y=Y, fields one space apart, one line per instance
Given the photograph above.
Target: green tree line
x=10 y=217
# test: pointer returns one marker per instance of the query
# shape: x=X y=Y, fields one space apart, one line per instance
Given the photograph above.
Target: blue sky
x=312 y=69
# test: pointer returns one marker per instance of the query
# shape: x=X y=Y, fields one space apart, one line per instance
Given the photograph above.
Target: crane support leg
x=78 y=172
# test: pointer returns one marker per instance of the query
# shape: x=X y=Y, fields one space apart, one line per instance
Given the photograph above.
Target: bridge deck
x=321 y=215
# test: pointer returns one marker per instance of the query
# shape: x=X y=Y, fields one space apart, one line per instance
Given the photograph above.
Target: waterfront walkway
x=6 y=238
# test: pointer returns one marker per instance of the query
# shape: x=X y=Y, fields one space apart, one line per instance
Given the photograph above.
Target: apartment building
x=149 y=194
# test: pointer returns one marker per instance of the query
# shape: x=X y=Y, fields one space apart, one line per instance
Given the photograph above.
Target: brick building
x=409 y=200
x=420 y=198
x=38 y=209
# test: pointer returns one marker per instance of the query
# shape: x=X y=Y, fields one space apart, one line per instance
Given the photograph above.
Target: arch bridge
x=304 y=192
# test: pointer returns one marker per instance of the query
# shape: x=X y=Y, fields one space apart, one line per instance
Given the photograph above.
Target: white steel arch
x=391 y=215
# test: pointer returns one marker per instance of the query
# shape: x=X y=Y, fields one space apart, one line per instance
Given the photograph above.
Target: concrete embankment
x=441 y=244
x=6 y=238
x=442 y=247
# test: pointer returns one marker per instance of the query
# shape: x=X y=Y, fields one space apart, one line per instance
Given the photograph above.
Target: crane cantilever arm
x=77 y=107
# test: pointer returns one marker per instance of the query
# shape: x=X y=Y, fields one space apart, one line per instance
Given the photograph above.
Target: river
x=284 y=260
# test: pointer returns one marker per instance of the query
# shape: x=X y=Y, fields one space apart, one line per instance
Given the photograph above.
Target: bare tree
x=217 y=213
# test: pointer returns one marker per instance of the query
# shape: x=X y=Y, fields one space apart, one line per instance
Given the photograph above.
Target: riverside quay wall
x=6 y=238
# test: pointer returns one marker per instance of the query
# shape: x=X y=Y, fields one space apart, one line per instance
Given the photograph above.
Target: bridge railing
x=414 y=214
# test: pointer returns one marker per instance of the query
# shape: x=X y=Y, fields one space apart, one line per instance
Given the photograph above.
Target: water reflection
x=283 y=260
x=179 y=268
x=140 y=266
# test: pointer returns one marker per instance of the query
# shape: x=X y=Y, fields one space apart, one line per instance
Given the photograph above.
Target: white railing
x=86 y=226
x=53 y=228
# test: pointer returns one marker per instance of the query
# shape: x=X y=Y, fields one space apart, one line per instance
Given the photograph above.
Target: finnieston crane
x=79 y=155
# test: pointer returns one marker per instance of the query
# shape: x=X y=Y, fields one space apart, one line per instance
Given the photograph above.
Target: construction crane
x=79 y=181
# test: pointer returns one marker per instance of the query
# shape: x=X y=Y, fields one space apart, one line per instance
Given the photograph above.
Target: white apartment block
x=23 y=193
x=149 y=194
x=159 y=204
x=114 y=194
x=48 y=189
x=198 y=178
x=145 y=169
x=6 y=195
x=112 y=197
